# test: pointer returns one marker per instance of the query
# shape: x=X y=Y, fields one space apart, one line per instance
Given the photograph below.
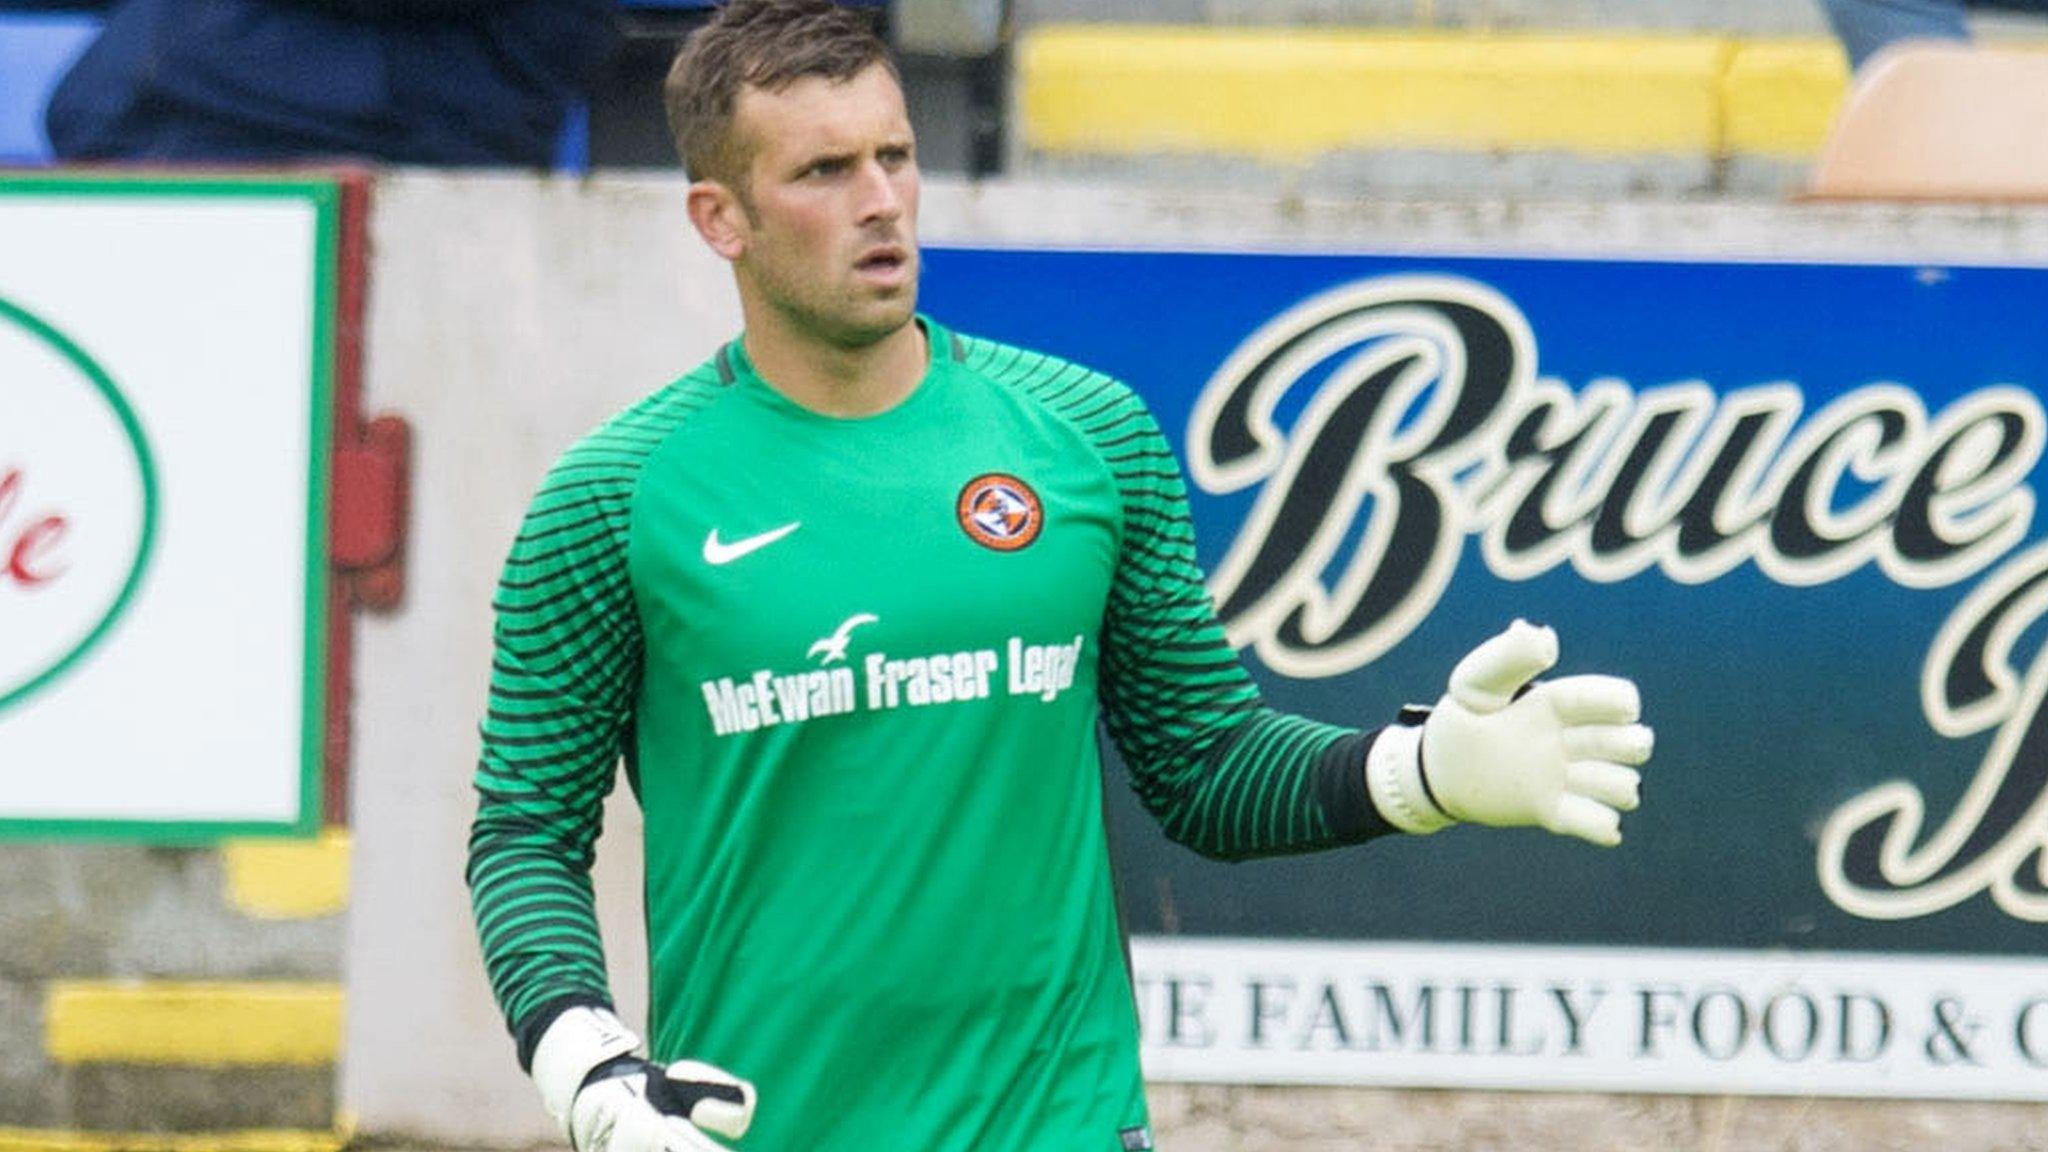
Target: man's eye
x=826 y=168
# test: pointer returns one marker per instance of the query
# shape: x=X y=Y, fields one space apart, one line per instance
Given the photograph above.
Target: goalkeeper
x=849 y=600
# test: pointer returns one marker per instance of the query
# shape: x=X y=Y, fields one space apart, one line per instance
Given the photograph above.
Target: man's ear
x=719 y=217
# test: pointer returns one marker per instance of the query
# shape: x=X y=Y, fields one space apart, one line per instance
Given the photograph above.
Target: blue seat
x=572 y=147
x=35 y=52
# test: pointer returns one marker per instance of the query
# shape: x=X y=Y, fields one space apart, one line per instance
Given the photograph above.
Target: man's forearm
x=1274 y=784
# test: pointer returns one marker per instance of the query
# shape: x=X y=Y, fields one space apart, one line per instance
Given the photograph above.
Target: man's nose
x=879 y=198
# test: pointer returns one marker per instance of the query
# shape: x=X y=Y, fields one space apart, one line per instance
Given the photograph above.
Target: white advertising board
x=1592 y=1019
x=164 y=360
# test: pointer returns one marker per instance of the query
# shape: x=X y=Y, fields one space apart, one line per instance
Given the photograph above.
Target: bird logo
x=833 y=647
x=999 y=511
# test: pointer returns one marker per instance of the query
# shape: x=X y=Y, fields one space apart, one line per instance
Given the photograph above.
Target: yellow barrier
x=288 y=879
x=201 y=1025
x=279 y=1140
x=1289 y=94
x=1780 y=98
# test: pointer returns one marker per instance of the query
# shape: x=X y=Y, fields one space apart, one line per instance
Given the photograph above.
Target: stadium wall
x=220 y=990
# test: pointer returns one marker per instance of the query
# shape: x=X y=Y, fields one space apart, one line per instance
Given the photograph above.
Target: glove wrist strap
x=578 y=1041
x=1393 y=778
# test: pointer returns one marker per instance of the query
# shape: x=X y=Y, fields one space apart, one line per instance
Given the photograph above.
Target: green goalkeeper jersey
x=854 y=668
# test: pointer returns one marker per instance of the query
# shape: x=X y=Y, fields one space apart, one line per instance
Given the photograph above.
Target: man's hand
x=609 y=1100
x=635 y=1106
x=1503 y=749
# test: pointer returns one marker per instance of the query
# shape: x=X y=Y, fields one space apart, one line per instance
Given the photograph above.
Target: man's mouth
x=884 y=261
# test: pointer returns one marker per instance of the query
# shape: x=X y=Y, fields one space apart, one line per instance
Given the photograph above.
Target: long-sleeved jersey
x=854 y=668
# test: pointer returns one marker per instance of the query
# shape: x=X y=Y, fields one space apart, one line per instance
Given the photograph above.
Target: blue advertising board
x=1794 y=502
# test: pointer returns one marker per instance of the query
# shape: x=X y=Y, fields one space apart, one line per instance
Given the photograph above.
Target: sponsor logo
x=999 y=511
x=884 y=682
x=1425 y=424
x=718 y=552
x=77 y=504
x=833 y=648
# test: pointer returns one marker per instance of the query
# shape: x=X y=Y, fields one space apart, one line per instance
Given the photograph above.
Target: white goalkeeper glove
x=607 y=1099
x=1503 y=749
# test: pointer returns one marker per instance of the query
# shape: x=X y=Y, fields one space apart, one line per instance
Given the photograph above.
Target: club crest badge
x=999 y=511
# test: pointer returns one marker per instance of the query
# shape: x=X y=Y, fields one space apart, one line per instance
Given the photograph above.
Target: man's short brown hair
x=768 y=44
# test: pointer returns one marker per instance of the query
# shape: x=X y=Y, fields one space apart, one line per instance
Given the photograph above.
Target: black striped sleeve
x=564 y=670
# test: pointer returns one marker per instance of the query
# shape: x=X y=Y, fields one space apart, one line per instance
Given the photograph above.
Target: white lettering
x=881 y=689
x=1426 y=426
x=747 y=705
x=793 y=696
x=763 y=694
x=1873 y=860
x=1043 y=670
x=724 y=707
x=943 y=678
x=832 y=692
x=809 y=695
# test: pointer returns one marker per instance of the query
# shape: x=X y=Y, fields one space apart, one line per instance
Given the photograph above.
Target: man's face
x=831 y=238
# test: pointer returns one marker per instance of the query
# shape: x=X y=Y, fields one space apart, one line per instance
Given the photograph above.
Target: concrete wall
x=143 y=917
x=509 y=315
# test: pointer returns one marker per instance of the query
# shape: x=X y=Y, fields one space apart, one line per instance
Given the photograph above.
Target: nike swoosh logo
x=717 y=551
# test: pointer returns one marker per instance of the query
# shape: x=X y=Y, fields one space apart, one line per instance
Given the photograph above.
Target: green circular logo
x=78 y=496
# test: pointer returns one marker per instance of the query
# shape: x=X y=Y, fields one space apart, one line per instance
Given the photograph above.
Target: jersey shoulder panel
x=1104 y=411
x=1101 y=407
x=568 y=567
x=605 y=465
x=1111 y=417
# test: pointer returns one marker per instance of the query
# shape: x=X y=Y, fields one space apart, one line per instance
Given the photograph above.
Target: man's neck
x=832 y=380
